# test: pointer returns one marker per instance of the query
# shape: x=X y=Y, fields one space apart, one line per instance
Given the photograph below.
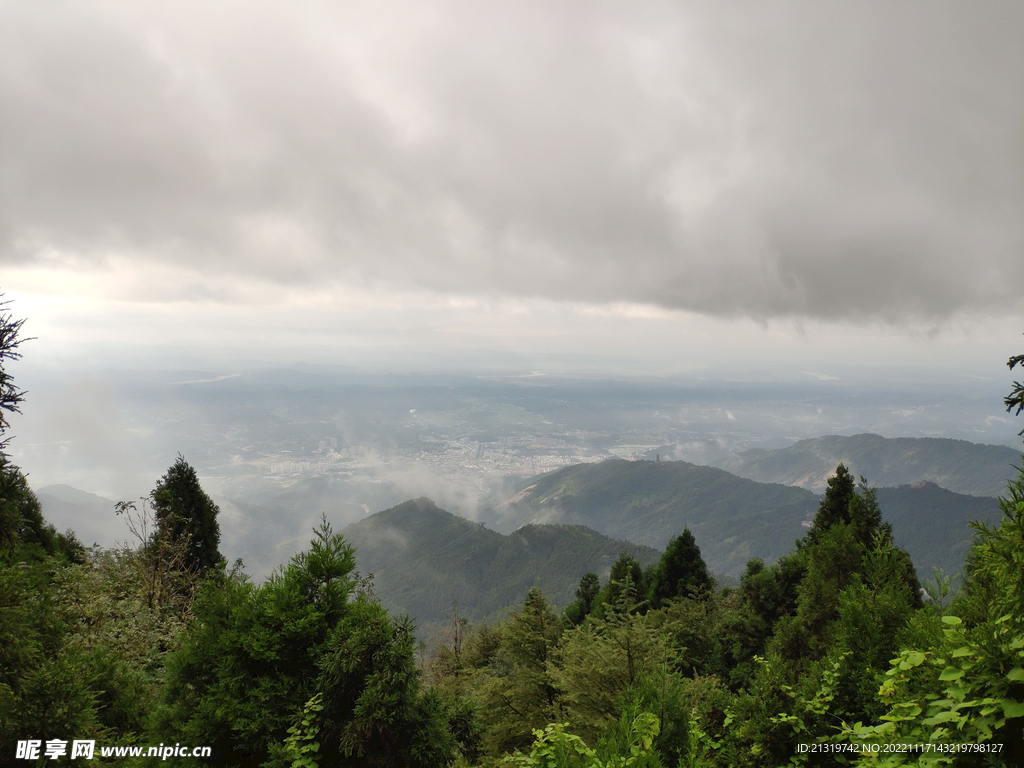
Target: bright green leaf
x=1013 y=708
x=942 y=717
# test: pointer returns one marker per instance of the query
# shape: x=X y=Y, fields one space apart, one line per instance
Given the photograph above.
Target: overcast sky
x=638 y=182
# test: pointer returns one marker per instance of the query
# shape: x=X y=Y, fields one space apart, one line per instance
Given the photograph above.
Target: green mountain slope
x=958 y=465
x=931 y=524
x=732 y=518
x=423 y=558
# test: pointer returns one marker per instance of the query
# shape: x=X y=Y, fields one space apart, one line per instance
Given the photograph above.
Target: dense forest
x=835 y=654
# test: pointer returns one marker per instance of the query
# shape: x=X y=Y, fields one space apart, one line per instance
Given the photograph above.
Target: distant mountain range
x=557 y=526
x=732 y=518
x=958 y=465
x=735 y=519
x=423 y=558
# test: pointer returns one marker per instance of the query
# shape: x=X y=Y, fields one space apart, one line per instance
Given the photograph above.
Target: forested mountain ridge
x=933 y=524
x=957 y=465
x=732 y=518
x=423 y=558
x=735 y=519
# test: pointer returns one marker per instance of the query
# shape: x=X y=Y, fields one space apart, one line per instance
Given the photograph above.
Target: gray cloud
x=843 y=161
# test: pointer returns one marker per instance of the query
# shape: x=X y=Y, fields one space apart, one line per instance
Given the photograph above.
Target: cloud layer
x=813 y=160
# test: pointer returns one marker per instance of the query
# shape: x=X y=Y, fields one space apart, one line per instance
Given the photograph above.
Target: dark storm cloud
x=820 y=160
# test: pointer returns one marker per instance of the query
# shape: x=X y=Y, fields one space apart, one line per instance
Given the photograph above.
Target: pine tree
x=10 y=340
x=586 y=600
x=835 y=507
x=184 y=511
x=625 y=568
x=516 y=689
x=604 y=658
x=681 y=572
x=375 y=715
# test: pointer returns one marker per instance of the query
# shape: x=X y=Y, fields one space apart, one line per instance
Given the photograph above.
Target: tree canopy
x=184 y=512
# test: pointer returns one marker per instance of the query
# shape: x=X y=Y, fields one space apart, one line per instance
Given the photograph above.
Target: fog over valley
x=279 y=446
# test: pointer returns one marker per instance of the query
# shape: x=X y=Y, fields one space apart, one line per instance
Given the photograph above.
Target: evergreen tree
x=184 y=511
x=22 y=527
x=586 y=599
x=600 y=661
x=625 y=569
x=515 y=689
x=835 y=507
x=251 y=658
x=681 y=572
x=375 y=715
x=255 y=657
x=10 y=340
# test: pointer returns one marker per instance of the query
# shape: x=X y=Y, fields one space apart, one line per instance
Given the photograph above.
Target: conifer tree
x=516 y=689
x=681 y=572
x=835 y=507
x=10 y=340
x=586 y=599
x=184 y=511
x=600 y=661
x=625 y=568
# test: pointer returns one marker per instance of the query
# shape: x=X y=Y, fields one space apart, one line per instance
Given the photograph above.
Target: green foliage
x=750 y=616
x=301 y=746
x=681 y=572
x=835 y=507
x=10 y=340
x=374 y=713
x=602 y=660
x=255 y=656
x=66 y=662
x=515 y=689
x=251 y=658
x=994 y=583
x=553 y=747
x=586 y=600
x=832 y=563
x=657 y=694
x=184 y=512
x=968 y=689
x=24 y=534
x=624 y=587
